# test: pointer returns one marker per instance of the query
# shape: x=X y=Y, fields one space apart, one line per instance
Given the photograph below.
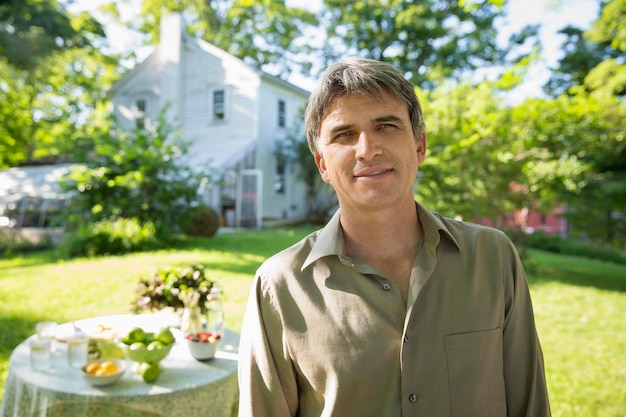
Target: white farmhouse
x=231 y=113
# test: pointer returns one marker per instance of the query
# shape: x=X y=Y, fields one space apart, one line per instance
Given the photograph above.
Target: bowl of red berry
x=203 y=345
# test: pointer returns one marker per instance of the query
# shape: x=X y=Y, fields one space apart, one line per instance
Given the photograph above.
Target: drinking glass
x=40 y=353
x=77 y=349
x=47 y=329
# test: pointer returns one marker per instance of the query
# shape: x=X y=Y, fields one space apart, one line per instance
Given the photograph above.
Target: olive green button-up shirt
x=325 y=335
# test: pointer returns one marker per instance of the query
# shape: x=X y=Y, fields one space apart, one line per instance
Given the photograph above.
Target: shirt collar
x=330 y=239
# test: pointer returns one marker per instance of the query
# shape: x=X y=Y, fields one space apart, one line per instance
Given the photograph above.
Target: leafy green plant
x=111 y=237
x=169 y=285
x=570 y=246
x=141 y=175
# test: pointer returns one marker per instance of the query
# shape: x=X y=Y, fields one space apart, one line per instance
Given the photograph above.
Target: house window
x=140 y=113
x=282 y=113
x=219 y=105
x=279 y=177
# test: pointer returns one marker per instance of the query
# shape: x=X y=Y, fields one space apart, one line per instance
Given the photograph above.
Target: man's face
x=368 y=152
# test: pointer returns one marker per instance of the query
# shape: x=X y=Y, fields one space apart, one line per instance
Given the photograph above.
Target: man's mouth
x=381 y=171
x=373 y=173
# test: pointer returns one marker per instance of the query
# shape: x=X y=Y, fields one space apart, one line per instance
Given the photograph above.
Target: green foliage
x=32 y=30
x=110 y=237
x=262 y=33
x=53 y=78
x=556 y=244
x=473 y=159
x=201 y=221
x=141 y=175
x=168 y=287
x=594 y=58
x=427 y=40
x=487 y=159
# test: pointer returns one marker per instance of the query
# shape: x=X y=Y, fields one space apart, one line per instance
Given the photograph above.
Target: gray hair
x=359 y=76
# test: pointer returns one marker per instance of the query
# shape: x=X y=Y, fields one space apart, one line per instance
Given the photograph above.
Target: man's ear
x=421 y=147
x=321 y=167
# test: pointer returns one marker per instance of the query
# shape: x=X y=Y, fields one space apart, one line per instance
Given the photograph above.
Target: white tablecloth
x=185 y=388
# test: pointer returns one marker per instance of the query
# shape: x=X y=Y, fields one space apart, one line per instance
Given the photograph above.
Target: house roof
x=32 y=181
x=211 y=49
x=221 y=154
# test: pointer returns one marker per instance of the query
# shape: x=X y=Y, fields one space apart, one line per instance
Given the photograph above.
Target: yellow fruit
x=101 y=368
x=109 y=367
x=92 y=368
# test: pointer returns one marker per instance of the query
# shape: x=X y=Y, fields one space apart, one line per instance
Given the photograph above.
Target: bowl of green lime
x=148 y=347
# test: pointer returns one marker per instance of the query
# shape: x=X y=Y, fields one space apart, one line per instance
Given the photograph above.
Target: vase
x=191 y=320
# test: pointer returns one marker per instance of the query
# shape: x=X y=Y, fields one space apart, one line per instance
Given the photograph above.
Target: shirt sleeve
x=267 y=382
x=525 y=383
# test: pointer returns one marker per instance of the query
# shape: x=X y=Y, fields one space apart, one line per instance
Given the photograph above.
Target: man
x=389 y=310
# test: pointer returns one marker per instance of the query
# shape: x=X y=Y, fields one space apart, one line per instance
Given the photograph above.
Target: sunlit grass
x=580 y=309
x=580 y=305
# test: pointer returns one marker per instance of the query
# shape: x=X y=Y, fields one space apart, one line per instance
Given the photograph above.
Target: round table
x=186 y=387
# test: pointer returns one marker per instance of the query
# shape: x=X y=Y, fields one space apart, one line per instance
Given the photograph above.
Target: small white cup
x=47 y=329
x=40 y=353
x=77 y=350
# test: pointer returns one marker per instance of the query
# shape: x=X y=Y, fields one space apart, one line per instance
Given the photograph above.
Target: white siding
x=291 y=203
x=250 y=125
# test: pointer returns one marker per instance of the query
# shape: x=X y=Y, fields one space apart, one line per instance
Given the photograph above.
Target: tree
x=428 y=40
x=581 y=56
x=608 y=78
x=262 y=33
x=53 y=82
x=136 y=176
x=473 y=160
x=598 y=211
x=594 y=58
x=33 y=30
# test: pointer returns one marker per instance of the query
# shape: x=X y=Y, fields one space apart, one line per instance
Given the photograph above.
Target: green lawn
x=580 y=305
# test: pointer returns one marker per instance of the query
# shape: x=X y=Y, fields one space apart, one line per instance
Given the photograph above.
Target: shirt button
x=413 y=398
x=407 y=339
x=386 y=286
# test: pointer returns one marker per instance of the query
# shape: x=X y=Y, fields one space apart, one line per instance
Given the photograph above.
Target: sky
x=553 y=15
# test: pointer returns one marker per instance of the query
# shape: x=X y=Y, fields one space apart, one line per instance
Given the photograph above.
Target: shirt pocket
x=476 y=374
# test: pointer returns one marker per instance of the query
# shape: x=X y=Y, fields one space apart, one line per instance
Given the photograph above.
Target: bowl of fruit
x=148 y=349
x=203 y=345
x=102 y=372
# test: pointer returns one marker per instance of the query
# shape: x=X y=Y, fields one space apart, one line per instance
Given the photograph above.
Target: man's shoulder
x=291 y=258
x=464 y=231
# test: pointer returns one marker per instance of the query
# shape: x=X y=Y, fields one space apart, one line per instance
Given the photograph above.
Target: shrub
x=11 y=241
x=164 y=288
x=554 y=243
x=201 y=221
x=143 y=175
x=111 y=237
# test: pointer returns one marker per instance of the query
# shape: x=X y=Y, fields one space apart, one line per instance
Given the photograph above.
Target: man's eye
x=342 y=135
x=386 y=126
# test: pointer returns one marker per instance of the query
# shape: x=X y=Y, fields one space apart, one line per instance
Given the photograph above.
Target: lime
x=137 y=346
x=165 y=336
x=149 y=337
x=156 y=345
x=136 y=334
x=149 y=371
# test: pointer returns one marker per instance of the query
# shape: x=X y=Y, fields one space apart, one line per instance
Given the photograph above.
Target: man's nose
x=367 y=146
